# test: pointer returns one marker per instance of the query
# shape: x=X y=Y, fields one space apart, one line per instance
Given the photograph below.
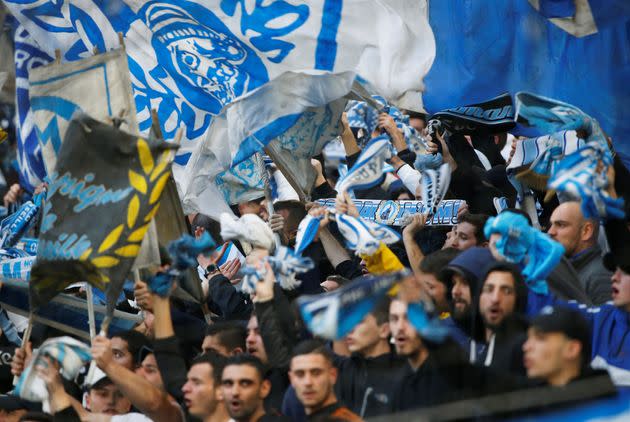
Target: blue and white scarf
x=368 y=170
x=364 y=236
x=582 y=174
x=434 y=185
x=535 y=252
x=13 y=227
x=69 y=353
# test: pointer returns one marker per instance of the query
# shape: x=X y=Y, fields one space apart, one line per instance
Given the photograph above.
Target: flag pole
x=25 y=339
x=90 y=309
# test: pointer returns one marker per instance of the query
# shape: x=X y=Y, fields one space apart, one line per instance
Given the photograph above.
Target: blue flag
x=510 y=46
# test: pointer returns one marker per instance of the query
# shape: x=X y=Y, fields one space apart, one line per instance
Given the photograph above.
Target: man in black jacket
x=365 y=377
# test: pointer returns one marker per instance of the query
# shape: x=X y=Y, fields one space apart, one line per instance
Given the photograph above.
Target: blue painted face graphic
x=209 y=64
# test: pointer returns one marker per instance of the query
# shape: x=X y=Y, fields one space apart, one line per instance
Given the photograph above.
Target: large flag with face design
x=190 y=59
x=102 y=196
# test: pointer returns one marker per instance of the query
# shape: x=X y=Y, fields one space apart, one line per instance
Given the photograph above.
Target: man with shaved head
x=579 y=235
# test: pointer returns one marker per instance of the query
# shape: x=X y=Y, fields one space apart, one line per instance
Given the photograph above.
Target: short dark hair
x=436 y=261
x=215 y=360
x=249 y=360
x=135 y=342
x=230 y=334
x=381 y=311
x=210 y=225
x=478 y=221
x=520 y=288
x=313 y=346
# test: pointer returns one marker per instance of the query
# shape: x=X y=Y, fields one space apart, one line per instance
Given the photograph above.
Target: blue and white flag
x=368 y=169
x=28 y=56
x=241 y=183
x=333 y=315
x=70 y=354
x=58 y=91
x=434 y=185
x=364 y=236
x=190 y=59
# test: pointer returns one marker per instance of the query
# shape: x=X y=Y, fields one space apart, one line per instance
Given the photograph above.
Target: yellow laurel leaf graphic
x=128 y=251
x=161 y=166
x=105 y=278
x=138 y=235
x=105 y=261
x=138 y=182
x=85 y=254
x=151 y=213
x=146 y=159
x=132 y=211
x=111 y=239
x=158 y=188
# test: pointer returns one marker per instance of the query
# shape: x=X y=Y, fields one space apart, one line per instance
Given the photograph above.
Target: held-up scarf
x=534 y=251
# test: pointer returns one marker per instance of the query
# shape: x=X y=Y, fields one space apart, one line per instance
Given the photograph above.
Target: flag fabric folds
x=68 y=353
x=524 y=50
x=333 y=315
x=368 y=169
x=57 y=91
x=191 y=59
x=100 y=171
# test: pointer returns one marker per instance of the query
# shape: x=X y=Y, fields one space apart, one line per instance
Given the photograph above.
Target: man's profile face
x=435 y=289
x=566 y=226
x=212 y=343
x=149 y=370
x=545 y=354
x=364 y=335
x=313 y=378
x=461 y=296
x=621 y=289
x=253 y=342
x=200 y=396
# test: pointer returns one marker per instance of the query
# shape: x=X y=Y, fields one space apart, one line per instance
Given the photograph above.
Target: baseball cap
x=614 y=260
x=567 y=321
x=11 y=402
x=99 y=378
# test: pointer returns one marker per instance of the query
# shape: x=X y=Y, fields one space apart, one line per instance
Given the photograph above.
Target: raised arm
x=146 y=397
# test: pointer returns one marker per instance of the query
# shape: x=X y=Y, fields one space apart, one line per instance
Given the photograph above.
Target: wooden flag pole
x=25 y=339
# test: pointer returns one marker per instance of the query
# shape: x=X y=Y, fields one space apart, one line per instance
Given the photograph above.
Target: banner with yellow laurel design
x=104 y=191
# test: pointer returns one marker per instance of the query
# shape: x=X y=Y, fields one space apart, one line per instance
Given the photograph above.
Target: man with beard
x=501 y=304
x=464 y=274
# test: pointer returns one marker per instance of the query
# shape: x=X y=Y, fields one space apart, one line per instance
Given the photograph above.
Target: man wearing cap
x=610 y=322
x=558 y=347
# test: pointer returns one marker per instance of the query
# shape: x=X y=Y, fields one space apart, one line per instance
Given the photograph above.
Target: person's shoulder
x=130 y=417
x=342 y=413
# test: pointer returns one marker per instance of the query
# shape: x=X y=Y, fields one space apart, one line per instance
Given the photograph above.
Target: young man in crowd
x=558 y=347
x=434 y=284
x=202 y=391
x=150 y=399
x=501 y=305
x=245 y=388
x=365 y=377
x=469 y=231
x=313 y=376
